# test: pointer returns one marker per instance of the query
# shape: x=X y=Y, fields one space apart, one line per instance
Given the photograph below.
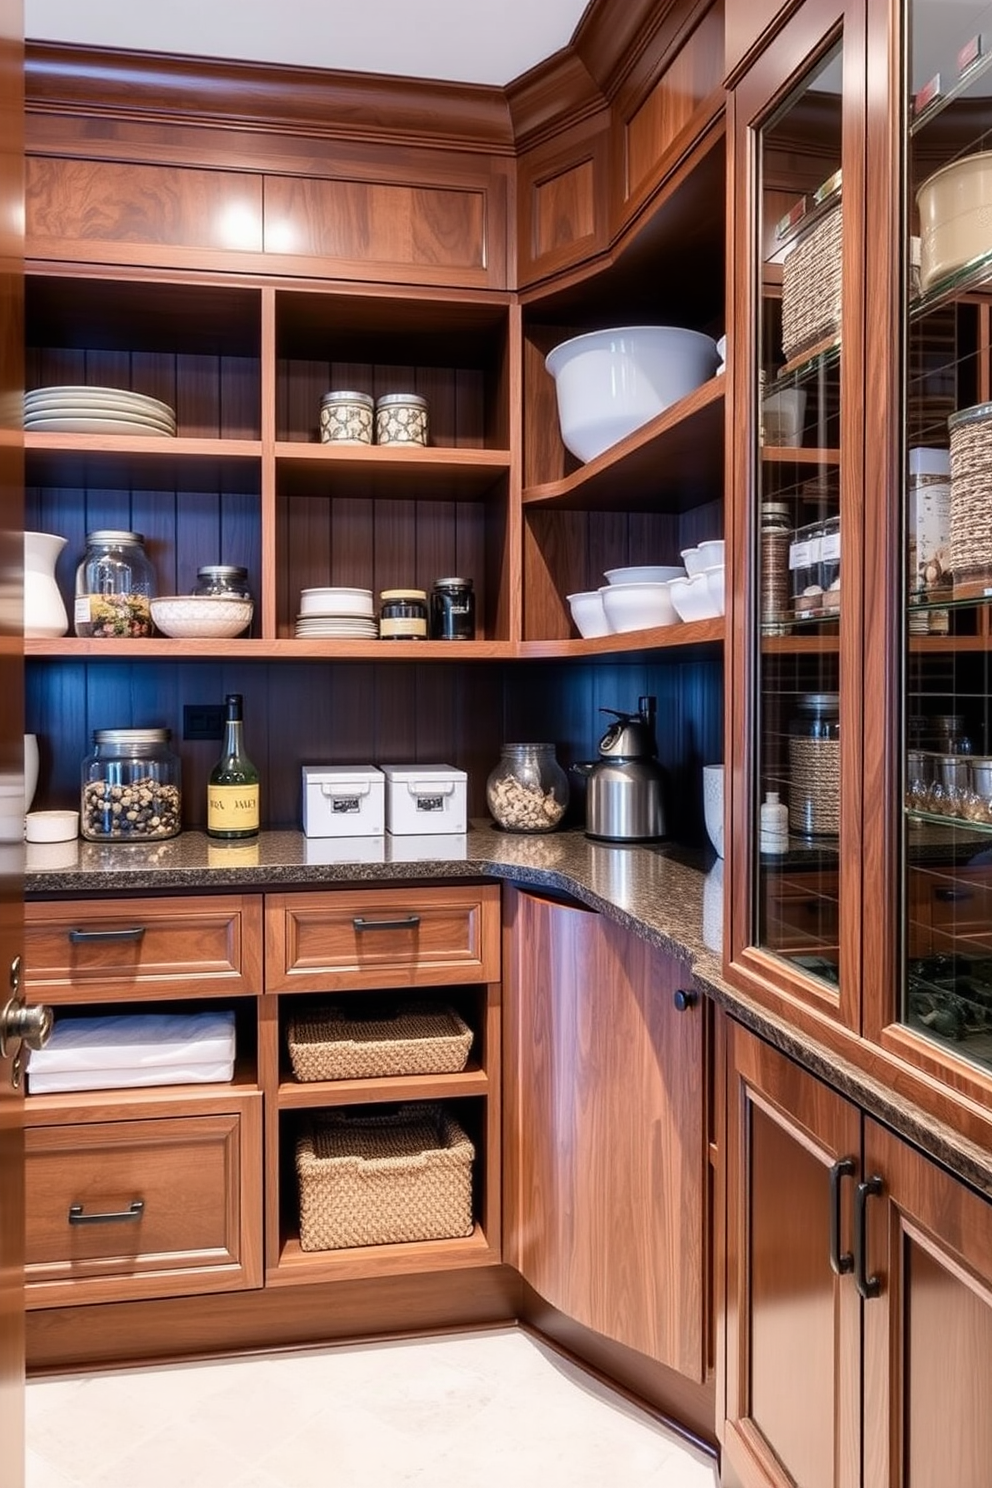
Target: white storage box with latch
x=425 y=799
x=343 y=801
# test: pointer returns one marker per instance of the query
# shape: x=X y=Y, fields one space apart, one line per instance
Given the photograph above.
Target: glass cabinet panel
x=797 y=523
x=946 y=992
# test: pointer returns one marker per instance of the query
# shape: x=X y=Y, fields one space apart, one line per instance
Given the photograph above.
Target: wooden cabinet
x=838 y=1231
x=606 y=1132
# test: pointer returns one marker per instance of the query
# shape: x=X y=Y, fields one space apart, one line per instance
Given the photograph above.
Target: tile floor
x=474 y=1410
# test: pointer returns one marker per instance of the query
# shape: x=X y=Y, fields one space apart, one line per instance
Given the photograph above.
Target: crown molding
x=552 y=97
x=217 y=93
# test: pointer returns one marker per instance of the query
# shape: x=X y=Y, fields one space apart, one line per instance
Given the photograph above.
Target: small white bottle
x=773 y=835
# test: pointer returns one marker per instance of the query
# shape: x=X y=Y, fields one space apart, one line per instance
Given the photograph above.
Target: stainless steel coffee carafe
x=625 y=792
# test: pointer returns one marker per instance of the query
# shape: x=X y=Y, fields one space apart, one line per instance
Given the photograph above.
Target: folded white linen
x=49 y=1082
x=135 y=1041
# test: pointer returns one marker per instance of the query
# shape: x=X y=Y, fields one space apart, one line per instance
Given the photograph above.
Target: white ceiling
x=470 y=41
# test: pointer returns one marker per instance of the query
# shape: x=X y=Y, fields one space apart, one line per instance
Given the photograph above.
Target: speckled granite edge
x=669 y=897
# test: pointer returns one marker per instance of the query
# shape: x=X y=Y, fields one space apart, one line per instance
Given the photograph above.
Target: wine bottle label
x=232 y=808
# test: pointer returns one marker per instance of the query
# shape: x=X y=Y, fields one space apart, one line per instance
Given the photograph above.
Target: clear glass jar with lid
x=131 y=787
x=814 y=766
x=114 y=586
x=528 y=789
x=227 y=579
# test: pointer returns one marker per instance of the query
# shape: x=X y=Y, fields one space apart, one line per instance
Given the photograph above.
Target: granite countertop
x=671 y=896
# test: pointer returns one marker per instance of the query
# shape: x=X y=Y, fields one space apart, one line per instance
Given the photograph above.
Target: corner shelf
x=663 y=637
x=419 y=1256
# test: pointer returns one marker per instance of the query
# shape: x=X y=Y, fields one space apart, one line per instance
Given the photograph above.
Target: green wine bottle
x=232 y=793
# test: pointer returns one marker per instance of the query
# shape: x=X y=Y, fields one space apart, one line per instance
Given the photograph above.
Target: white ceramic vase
x=44 y=613
x=30 y=769
x=713 y=805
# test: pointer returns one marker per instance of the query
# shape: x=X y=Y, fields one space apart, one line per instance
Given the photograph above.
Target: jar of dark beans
x=452 y=610
x=130 y=787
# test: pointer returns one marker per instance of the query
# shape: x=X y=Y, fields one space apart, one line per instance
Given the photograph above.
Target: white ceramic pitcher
x=44 y=613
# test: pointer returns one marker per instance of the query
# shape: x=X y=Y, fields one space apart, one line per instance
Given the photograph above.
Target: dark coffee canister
x=452 y=610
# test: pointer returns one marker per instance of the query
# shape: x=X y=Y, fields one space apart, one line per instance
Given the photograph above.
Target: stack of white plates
x=339 y=613
x=97 y=410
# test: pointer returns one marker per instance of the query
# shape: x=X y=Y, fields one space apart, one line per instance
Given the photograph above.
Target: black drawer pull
x=82 y=937
x=839 y=1263
x=953 y=896
x=134 y=1211
x=405 y=922
x=684 y=999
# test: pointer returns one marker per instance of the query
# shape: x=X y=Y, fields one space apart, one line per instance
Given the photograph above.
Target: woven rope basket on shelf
x=383 y=1178
x=971 y=497
x=811 y=286
x=416 y=1038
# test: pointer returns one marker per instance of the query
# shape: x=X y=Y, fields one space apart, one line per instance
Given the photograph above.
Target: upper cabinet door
x=931 y=177
x=799 y=499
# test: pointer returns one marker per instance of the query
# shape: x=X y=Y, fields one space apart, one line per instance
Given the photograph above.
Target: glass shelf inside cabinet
x=946 y=852
x=797 y=480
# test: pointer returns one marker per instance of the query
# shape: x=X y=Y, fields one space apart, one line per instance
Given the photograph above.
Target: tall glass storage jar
x=114 y=586
x=131 y=787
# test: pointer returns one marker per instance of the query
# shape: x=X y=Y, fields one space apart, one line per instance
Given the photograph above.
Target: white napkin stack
x=121 y=1051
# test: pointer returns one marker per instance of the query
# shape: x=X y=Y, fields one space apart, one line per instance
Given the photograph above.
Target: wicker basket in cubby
x=382 y=1177
x=409 y=1038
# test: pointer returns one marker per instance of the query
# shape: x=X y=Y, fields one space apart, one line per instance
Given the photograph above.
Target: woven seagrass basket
x=415 y=1038
x=384 y=1177
x=971 y=499
x=811 y=286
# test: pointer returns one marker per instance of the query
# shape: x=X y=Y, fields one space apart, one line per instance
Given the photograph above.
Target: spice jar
x=401 y=418
x=403 y=615
x=528 y=789
x=346 y=418
x=814 y=764
x=776 y=537
x=114 y=585
x=226 y=579
x=452 y=610
x=130 y=787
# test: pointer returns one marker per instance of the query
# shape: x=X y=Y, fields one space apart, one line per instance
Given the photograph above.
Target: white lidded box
x=343 y=801
x=425 y=798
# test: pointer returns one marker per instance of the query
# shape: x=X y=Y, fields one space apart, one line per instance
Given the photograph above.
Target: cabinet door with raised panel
x=606 y=1132
x=928 y=1331
x=792 y=1336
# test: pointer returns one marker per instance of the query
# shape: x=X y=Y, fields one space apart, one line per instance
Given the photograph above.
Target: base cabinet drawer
x=380 y=938
x=145 y=1207
x=144 y=948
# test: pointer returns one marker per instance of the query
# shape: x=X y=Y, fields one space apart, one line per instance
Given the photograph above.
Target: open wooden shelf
x=662 y=637
x=301 y=1095
x=131 y=461
x=661 y=466
x=296 y=1266
x=437 y=472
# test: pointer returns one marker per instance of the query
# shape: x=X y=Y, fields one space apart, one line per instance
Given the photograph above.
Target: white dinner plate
x=58 y=425
x=105 y=410
x=93 y=396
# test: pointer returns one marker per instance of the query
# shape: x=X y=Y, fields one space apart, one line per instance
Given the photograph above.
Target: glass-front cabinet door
x=944 y=970
x=799 y=164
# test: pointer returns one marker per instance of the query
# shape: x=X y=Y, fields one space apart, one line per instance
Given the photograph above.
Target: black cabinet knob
x=685 y=998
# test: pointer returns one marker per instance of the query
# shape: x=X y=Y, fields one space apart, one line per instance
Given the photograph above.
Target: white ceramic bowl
x=637 y=606
x=51 y=826
x=782 y=417
x=711 y=553
x=338 y=601
x=609 y=383
x=692 y=558
x=715 y=584
x=645 y=573
x=691 y=598
x=588 y=613
x=217 y=616
x=713 y=805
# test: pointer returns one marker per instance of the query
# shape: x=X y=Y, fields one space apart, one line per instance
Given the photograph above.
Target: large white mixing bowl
x=609 y=383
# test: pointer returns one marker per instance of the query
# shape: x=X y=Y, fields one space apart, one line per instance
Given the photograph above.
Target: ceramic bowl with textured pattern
x=213 y=616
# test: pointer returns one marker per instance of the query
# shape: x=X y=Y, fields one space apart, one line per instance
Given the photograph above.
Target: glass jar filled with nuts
x=131 y=789
x=528 y=789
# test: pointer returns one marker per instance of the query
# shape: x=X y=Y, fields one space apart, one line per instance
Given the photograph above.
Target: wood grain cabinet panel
x=415 y=937
x=377 y=224
x=94 y=204
x=149 y=1207
x=605 y=1132
x=144 y=948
